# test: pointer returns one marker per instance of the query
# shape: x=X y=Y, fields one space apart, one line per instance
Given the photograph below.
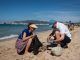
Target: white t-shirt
x=63 y=29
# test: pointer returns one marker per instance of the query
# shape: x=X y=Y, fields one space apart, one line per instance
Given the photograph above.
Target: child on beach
x=27 y=41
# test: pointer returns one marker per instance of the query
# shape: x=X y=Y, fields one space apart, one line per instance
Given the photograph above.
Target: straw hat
x=33 y=26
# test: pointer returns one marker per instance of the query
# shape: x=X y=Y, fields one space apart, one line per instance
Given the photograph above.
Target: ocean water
x=13 y=30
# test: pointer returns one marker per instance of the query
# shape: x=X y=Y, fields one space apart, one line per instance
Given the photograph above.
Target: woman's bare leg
x=28 y=45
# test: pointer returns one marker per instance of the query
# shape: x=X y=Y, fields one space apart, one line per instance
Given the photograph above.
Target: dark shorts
x=65 y=41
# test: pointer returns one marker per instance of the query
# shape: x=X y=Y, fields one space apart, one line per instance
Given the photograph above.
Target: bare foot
x=27 y=54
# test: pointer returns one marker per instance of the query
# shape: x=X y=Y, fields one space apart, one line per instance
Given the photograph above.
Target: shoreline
x=13 y=38
x=38 y=33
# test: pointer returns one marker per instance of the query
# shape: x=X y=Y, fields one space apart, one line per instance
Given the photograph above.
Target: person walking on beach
x=27 y=41
x=62 y=34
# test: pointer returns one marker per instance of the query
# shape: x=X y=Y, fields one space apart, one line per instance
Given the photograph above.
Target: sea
x=13 y=30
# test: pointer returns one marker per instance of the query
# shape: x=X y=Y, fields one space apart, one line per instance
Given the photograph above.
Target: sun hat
x=33 y=26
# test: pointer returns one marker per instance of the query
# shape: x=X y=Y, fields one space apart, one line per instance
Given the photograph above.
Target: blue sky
x=61 y=10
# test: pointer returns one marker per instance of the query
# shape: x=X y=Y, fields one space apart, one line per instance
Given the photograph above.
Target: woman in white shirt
x=63 y=36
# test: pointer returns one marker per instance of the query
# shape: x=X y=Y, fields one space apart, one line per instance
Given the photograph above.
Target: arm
x=48 y=38
x=26 y=38
x=59 y=36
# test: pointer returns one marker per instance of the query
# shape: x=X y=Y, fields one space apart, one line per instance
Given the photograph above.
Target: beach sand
x=8 y=51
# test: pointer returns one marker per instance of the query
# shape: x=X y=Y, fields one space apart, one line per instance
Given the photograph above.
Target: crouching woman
x=28 y=42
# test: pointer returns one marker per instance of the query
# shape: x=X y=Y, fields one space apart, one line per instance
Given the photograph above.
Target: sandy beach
x=8 y=51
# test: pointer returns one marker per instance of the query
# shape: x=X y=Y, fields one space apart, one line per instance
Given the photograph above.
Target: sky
x=60 y=10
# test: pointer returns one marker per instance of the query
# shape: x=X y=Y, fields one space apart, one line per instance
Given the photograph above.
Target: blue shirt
x=26 y=31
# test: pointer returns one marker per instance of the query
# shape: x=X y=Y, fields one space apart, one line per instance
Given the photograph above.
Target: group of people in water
x=29 y=42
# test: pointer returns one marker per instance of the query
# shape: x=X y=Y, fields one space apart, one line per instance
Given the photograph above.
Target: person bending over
x=62 y=35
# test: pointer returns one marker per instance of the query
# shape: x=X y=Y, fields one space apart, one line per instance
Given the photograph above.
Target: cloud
x=58 y=15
